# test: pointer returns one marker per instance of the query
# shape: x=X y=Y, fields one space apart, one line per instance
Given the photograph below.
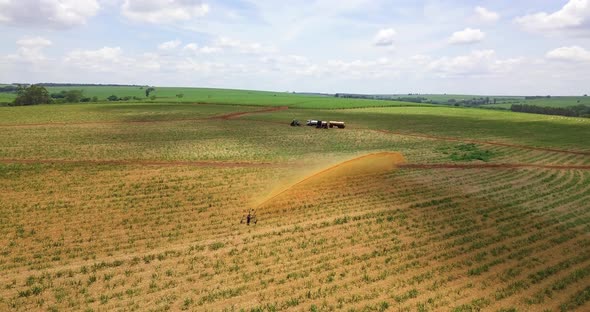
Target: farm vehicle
x=322 y=124
x=250 y=217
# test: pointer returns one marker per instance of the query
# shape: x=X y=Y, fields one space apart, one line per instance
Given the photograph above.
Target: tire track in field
x=452 y=139
x=227 y=116
x=240 y=114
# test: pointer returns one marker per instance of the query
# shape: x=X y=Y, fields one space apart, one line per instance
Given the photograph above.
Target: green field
x=504 y=102
x=134 y=206
x=267 y=98
x=222 y=96
x=559 y=101
x=492 y=125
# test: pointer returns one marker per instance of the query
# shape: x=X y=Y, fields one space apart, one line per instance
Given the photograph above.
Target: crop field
x=137 y=206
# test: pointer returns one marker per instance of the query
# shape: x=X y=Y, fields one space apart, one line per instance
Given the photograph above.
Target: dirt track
x=240 y=114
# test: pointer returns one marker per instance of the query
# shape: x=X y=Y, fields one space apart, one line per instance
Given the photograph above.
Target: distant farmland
x=136 y=205
x=267 y=98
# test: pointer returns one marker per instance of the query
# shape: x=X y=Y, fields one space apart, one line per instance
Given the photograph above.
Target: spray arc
x=373 y=163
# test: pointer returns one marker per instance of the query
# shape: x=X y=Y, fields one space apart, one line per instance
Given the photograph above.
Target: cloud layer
x=370 y=46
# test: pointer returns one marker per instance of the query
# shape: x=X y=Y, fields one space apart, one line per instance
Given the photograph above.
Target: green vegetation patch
x=469 y=152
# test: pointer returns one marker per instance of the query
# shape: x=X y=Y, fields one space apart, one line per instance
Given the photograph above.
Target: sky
x=493 y=47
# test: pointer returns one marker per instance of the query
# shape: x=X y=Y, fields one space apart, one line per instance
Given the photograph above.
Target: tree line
x=571 y=111
x=38 y=94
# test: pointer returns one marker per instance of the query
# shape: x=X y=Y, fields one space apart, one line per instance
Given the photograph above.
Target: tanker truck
x=326 y=124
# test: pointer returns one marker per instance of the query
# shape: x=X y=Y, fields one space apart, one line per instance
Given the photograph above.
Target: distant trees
x=536 y=97
x=70 y=96
x=471 y=102
x=571 y=111
x=8 y=88
x=149 y=90
x=32 y=95
x=180 y=95
x=114 y=98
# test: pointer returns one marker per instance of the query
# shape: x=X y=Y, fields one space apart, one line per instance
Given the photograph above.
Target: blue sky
x=365 y=46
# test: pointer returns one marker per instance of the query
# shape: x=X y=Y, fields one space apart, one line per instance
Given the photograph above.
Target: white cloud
x=477 y=63
x=385 y=37
x=486 y=15
x=149 y=61
x=209 y=50
x=114 y=60
x=351 y=70
x=47 y=13
x=287 y=64
x=163 y=11
x=195 y=48
x=30 y=50
x=169 y=45
x=104 y=59
x=225 y=43
x=569 y=54
x=467 y=36
x=33 y=42
x=574 y=15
